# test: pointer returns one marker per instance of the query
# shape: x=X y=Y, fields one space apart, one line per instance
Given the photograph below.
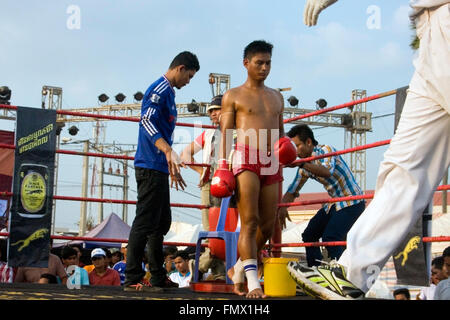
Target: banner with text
x=31 y=209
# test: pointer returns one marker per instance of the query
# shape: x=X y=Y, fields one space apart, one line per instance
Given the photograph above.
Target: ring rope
x=101 y=116
x=195 y=206
x=342 y=106
x=306 y=115
x=274 y=245
x=297 y=162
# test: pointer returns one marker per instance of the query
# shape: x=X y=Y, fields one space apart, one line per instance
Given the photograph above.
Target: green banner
x=31 y=210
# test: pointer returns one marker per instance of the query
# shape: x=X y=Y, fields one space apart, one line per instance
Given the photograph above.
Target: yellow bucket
x=277 y=281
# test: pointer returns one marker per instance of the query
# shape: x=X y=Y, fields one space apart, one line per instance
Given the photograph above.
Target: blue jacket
x=158 y=118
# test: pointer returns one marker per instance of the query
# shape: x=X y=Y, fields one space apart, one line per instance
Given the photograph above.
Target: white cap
x=98 y=253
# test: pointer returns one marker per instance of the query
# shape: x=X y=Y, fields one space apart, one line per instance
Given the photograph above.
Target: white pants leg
x=413 y=165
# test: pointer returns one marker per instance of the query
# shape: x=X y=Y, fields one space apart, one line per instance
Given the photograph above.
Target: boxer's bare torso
x=255 y=111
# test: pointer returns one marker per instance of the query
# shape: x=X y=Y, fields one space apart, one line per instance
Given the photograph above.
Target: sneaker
x=326 y=282
x=142 y=286
x=299 y=290
x=167 y=283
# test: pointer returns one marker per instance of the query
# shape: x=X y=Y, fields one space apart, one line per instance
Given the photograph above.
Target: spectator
x=102 y=275
x=402 y=294
x=169 y=255
x=47 y=278
x=108 y=257
x=182 y=276
x=7 y=274
x=208 y=141
x=437 y=274
x=33 y=275
x=116 y=256
x=79 y=253
x=442 y=291
x=89 y=268
x=121 y=265
x=70 y=260
x=4 y=228
x=334 y=220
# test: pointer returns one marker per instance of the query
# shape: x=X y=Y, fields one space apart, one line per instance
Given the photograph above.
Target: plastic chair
x=230 y=238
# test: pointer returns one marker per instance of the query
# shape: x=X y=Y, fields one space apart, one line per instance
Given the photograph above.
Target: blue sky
x=123 y=46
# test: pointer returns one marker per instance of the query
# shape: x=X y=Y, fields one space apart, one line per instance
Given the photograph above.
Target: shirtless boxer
x=256 y=112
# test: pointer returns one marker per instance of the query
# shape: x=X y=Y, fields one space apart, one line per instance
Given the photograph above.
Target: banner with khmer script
x=31 y=210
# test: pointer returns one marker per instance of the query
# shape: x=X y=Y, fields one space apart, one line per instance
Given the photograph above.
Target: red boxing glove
x=285 y=150
x=223 y=182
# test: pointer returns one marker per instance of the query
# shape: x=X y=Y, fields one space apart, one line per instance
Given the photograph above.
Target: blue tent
x=111 y=228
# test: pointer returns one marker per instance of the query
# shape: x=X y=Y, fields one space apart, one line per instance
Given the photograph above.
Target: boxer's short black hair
x=257 y=46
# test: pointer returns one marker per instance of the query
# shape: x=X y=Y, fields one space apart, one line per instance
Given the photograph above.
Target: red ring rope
x=101 y=116
x=275 y=245
x=195 y=206
x=325 y=110
x=341 y=106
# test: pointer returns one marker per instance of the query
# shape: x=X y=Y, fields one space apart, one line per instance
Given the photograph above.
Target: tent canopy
x=111 y=228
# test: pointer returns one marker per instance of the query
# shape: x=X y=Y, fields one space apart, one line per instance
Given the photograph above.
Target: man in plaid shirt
x=334 y=220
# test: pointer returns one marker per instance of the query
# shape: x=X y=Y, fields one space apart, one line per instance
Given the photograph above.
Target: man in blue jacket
x=154 y=161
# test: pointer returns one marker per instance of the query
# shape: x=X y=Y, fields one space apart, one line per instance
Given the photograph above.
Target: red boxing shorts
x=263 y=164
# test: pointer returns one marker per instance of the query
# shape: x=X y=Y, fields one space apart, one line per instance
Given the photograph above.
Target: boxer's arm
x=281 y=122
x=227 y=124
x=223 y=183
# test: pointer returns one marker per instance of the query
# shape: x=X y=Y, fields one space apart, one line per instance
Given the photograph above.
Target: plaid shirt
x=341 y=183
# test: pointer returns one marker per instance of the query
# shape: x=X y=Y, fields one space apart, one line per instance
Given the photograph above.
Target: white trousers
x=416 y=160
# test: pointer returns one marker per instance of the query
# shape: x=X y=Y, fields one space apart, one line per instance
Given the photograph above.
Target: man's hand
x=283 y=211
x=282 y=215
x=312 y=10
x=174 y=162
x=178 y=181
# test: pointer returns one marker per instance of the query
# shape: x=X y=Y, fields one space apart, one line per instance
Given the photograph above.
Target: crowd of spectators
x=73 y=265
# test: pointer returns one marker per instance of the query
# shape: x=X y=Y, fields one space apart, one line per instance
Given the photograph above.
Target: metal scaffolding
x=355 y=135
x=356 y=123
